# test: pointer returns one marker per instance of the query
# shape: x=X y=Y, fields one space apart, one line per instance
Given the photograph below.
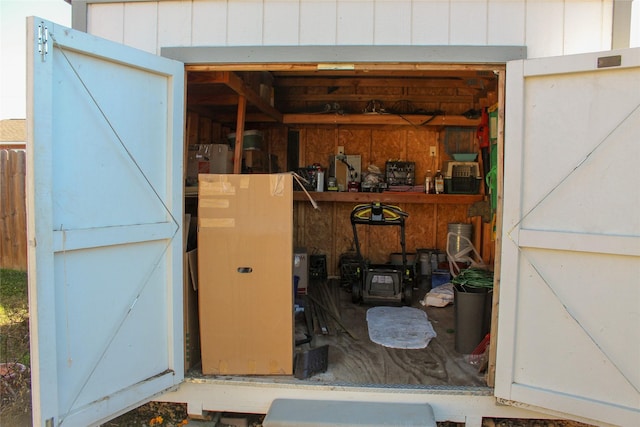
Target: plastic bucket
x=456 y=244
x=472 y=317
x=423 y=260
x=425 y=263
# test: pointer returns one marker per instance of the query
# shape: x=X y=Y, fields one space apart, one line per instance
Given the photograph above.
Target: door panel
x=105 y=207
x=569 y=320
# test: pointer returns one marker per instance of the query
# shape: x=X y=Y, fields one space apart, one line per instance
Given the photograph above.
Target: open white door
x=105 y=144
x=569 y=319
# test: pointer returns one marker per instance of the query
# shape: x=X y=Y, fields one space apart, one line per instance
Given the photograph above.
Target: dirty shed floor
x=358 y=360
x=353 y=359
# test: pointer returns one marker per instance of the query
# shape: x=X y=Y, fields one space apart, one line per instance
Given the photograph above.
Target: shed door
x=569 y=319
x=104 y=212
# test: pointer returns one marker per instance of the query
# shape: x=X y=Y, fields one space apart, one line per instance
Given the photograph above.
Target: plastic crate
x=462 y=185
x=462 y=169
x=462 y=178
x=439 y=278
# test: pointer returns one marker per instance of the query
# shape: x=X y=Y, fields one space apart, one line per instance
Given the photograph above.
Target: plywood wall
x=328 y=229
x=376 y=146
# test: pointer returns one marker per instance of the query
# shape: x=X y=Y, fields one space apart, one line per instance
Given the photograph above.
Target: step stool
x=317 y=413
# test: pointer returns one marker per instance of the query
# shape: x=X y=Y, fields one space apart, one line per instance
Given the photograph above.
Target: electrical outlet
x=432 y=151
x=341 y=149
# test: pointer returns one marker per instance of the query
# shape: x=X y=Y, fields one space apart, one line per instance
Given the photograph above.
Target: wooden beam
x=237 y=157
x=240 y=88
x=217 y=100
x=336 y=97
x=284 y=81
x=230 y=118
x=213 y=77
x=389 y=197
x=378 y=119
x=383 y=69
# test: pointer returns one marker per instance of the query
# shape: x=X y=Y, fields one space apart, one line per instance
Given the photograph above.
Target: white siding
x=430 y=22
x=140 y=26
x=468 y=23
x=174 y=23
x=107 y=21
x=209 y=26
x=505 y=22
x=392 y=22
x=582 y=26
x=355 y=22
x=546 y=27
x=281 y=22
x=244 y=23
x=318 y=22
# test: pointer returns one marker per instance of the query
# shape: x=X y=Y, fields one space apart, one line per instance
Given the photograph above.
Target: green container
x=492 y=182
x=492 y=176
x=251 y=140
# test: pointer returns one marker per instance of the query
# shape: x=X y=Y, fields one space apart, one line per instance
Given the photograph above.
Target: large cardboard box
x=245 y=280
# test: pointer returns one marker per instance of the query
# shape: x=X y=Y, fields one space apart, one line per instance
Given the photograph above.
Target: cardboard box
x=245 y=225
x=208 y=158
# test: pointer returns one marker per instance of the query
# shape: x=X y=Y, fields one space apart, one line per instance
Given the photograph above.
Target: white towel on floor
x=399 y=327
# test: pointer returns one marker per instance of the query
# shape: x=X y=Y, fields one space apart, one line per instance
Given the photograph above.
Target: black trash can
x=472 y=307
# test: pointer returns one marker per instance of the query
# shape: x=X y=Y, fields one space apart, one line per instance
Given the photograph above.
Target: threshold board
x=318 y=413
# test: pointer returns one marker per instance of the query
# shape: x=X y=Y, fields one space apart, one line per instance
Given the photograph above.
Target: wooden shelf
x=378 y=119
x=389 y=197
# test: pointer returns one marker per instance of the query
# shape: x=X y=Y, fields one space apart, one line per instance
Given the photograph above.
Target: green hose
x=473 y=278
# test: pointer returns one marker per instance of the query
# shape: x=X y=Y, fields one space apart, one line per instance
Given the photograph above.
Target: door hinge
x=43 y=41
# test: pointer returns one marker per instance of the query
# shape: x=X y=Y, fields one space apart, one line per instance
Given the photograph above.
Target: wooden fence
x=13 y=215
